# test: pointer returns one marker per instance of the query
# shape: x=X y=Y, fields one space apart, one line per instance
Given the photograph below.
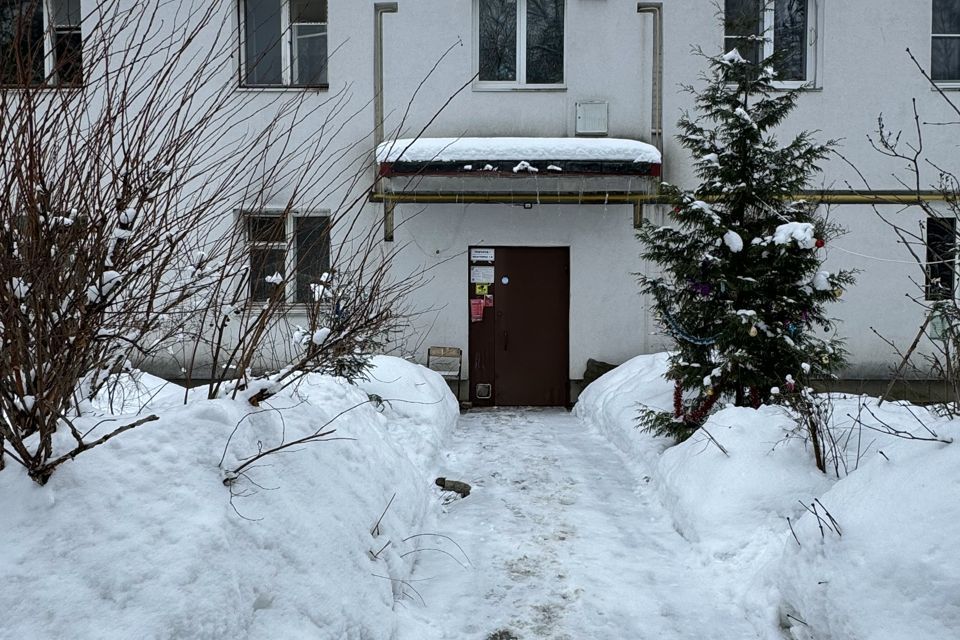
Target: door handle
x=506 y=340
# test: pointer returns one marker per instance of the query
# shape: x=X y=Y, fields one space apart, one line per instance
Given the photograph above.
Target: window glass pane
x=65 y=12
x=313 y=254
x=266 y=229
x=265 y=263
x=68 y=67
x=309 y=54
x=308 y=11
x=544 y=41
x=946 y=16
x=498 y=40
x=21 y=42
x=790 y=38
x=743 y=27
x=264 y=63
x=946 y=59
x=941 y=253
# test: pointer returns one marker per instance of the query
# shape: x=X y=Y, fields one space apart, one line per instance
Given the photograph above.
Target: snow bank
x=727 y=501
x=140 y=538
x=470 y=149
x=895 y=571
x=133 y=393
x=417 y=403
x=614 y=400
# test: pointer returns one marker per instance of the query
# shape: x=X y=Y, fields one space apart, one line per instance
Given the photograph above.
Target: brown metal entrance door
x=521 y=346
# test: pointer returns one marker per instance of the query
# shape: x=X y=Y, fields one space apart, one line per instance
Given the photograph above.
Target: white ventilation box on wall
x=592 y=118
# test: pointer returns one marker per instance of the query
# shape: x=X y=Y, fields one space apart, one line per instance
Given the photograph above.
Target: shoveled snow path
x=565 y=541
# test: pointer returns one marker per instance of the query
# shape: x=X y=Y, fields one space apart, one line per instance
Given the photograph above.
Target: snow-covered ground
x=578 y=525
x=875 y=556
x=561 y=538
x=140 y=538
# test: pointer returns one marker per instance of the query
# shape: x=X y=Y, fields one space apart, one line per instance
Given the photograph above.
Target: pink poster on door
x=476 y=309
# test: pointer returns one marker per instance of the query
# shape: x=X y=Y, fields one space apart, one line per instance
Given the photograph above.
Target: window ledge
x=803 y=88
x=283 y=88
x=42 y=87
x=951 y=85
x=296 y=308
x=528 y=88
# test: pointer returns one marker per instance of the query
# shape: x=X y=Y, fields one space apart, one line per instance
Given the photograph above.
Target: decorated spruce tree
x=740 y=288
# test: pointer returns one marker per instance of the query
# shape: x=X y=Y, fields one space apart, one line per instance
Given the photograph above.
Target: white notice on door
x=481 y=275
x=482 y=255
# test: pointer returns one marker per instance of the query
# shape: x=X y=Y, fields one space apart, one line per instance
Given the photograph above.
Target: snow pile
x=614 y=401
x=470 y=149
x=140 y=538
x=875 y=558
x=725 y=501
x=417 y=404
x=893 y=570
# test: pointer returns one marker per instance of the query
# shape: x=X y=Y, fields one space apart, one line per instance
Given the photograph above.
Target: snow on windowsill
x=530 y=149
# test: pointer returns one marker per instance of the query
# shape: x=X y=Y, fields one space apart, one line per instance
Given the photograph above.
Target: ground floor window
x=941 y=257
x=289 y=254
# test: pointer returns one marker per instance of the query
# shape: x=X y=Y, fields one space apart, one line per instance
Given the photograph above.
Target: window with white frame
x=284 y=43
x=40 y=42
x=284 y=249
x=760 y=28
x=945 y=45
x=520 y=42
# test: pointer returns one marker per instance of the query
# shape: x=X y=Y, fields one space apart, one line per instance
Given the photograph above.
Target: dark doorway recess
x=521 y=346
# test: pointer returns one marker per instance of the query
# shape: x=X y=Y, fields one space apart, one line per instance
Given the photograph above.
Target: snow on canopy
x=529 y=149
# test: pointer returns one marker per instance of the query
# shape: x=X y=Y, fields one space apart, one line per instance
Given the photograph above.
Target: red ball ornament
x=676 y=209
x=820 y=243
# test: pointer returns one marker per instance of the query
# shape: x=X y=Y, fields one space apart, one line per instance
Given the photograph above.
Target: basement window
x=941 y=258
x=520 y=43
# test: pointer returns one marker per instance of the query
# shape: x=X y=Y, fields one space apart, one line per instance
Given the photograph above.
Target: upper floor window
x=284 y=43
x=40 y=42
x=520 y=42
x=945 y=48
x=760 y=28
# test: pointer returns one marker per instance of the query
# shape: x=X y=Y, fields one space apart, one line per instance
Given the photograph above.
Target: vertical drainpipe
x=379 y=9
x=655 y=11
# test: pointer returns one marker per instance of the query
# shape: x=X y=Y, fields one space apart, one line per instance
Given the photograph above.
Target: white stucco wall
x=864 y=71
x=607 y=317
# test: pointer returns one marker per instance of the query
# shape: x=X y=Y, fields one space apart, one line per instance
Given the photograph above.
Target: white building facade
x=631 y=59
x=544 y=235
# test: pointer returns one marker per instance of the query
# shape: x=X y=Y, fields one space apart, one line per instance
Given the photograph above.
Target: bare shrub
x=125 y=173
x=933 y=190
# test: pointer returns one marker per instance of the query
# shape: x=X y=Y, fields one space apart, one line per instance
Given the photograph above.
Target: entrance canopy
x=516 y=169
